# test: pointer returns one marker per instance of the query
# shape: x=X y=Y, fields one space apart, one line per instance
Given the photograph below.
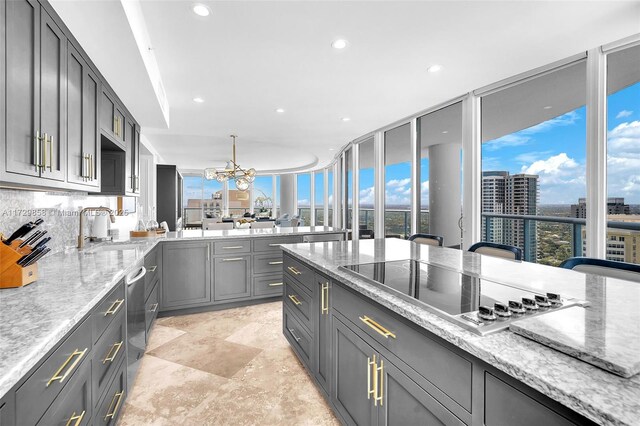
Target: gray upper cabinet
x=136 y=159
x=83 y=149
x=232 y=277
x=186 y=274
x=129 y=136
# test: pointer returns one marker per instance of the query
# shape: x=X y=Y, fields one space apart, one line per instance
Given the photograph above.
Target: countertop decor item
x=147 y=234
x=18 y=261
x=232 y=171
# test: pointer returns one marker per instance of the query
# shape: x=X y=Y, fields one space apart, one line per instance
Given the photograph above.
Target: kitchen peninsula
x=382 y=360
x=63 y=337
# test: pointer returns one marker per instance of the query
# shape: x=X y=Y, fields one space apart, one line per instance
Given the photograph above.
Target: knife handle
x=37 y=257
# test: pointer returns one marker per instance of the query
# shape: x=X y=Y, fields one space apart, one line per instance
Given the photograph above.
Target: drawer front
x=300 y=272
x=273 y=244
x=267 y=263
x=232 y=247
x=152 y=265
x=298 y=301
x=108 y=352
x=107 y=310
x=151 y=308
x=73 y=405
x=268 y=285
x=448 y=372
x=39 y=391
x=297 y=336
x=112 y=402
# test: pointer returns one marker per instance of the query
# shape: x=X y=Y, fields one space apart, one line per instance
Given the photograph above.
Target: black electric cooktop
x=453 y=295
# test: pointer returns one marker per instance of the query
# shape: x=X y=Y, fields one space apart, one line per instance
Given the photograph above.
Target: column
x=444 y=192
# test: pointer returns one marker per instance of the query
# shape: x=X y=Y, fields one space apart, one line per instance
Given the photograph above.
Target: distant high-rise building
x=511 y=194
x=614 y=206
x=623 y=245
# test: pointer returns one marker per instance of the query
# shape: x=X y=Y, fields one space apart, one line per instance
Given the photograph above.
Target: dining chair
x=427 y=239
x=607 y=268
x=497 y=250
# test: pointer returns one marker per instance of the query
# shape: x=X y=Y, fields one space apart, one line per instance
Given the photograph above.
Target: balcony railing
x=523 y=234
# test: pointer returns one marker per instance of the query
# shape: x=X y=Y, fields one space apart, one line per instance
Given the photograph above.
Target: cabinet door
x=406 y=403
x=107 y=114
x=119 y=130
x=77 y=165
x=136 y=159
x=91 y=125
x=23 y=88
x=186 y=274
x=231 y=277
x=352 y=376
x=53 y=82
x=322 y=332
x=129 y=156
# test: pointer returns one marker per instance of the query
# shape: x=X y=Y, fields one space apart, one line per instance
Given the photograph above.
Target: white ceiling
x=248 y=58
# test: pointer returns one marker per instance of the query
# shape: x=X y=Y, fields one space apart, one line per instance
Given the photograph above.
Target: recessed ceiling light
x=548 y=107
x=332 y=149
x=201 y=10
x=339 y=44
x=434 y=68
x=345 y=119
x=445 y=131
x=198 y=100
x=280 y=110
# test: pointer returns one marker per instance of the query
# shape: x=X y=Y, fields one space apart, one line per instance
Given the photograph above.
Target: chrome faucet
x=81 y=236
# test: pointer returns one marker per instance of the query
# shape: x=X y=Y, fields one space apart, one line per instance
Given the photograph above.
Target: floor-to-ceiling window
x=623 y=155
x=533 y=163
x=440 y=141
x=366 y=192
x=263 y=196
x=304 y=197
x=201 y=198
x=347 y=190
x=319 y=196
x=276 y=197
x=397 y=172
x=330 y=196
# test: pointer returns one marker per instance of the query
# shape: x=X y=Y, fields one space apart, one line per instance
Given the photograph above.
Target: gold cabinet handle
x=377 y=327
x=78 y=355
x=115 y=403
x=233 y=259
x=371 y=367
x=279 y=262
x=43 y=152
x=324 y=293
x=379 y=384
x=36 y=151
x=275 y=284
x=233 y=247
x=50 y=154
x=113 y=352
x=294 y=270
x=91 y=168
x=85 y=167
x=294 y=299
x=153 y=268
x=294 y=335
x=77 y=418
x=275 y=245
x=114 y=307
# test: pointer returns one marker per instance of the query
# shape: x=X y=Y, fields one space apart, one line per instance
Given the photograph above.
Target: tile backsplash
x=60 y=211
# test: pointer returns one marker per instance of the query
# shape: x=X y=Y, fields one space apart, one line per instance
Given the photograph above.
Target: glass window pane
x=533 y=163
x=397 y=175
x=239 y=202
x=366 y=189
x=192 y=200
x=319 y=197
x=263 y=196
x=348 y=189
x=330 y=193
x=304 y=198
x=441 y=148
x=623 y=155
x=277 y=197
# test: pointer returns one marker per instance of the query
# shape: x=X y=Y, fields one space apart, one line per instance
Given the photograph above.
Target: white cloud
x=514 y=139
x=552 y=165
x=367 y=195
x=561 y=178
x=563 y=120
x=398 y=182
x=623 y=162
x=530 y=157
x=624 y=114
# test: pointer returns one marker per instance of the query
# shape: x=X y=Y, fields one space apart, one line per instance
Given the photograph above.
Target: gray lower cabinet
x=110 y=406
x=232 y=277
x=322 y=331
x=7 y=414
x=73 y=405
x=186 y=274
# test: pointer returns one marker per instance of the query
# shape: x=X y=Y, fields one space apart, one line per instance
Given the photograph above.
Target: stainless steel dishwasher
x=135 y=320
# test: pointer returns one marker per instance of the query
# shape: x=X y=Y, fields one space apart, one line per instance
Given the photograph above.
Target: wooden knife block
x=11 y=274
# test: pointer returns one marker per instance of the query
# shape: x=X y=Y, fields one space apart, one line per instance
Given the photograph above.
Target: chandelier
x=232 y=171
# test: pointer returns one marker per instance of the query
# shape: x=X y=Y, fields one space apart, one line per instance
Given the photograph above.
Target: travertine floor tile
x=208 y=354
x=134 y=416
x=161 y=335
x=260 y=335
x=277 y=371
x=212 y=324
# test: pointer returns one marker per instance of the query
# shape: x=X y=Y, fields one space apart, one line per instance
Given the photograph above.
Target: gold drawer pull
x=294 y=299
x=233 y=247
x=111 y=356
x=153 y=268
x=377 y=327
x=274 y=245
x=380 y=383
x=78 y=355
x=275 y=284
x=78 y=419
x=294 y=270
x=115 y=403
x=294 y=335
x=114 y=307
x=371 y=366
x=324 y=293
x=233 y=259
x=279 y=262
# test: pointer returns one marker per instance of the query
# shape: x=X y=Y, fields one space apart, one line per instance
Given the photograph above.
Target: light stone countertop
x=597 y=394
x=35 y=318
